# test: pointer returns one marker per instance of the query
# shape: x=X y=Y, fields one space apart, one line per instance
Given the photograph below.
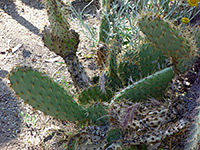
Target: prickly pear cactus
x=94 y=94
x=128 y=68
x=113 y=80
x=44 y=94
x=131 y=119
x=64 y=42
x=151 y=86
x=168 y=38
x=149 y=122
x=135 y=65
x=197 y=37
x=97 y=114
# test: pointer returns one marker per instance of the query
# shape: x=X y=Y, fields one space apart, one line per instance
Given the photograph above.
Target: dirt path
x=21 y=23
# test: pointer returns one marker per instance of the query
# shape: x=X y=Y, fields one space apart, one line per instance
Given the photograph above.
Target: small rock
x=16 y=48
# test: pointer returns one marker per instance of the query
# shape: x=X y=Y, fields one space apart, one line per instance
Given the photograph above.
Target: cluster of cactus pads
x=119 y=118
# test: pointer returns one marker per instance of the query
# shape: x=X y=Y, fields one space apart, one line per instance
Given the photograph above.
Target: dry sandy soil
x=21 y=23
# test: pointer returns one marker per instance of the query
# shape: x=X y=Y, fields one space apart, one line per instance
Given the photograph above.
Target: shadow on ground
x=9 y=7
x=10 y=120
x=37 y=4
x=3 y=74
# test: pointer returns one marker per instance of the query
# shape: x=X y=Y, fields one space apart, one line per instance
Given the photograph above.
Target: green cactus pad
x=151 y=60
x=137 y=65
x=97 y=114
x=151 y=86
x=58 y=37
x=113 y=80
x=94 y=94
x=166 y=37
x=113 y=135
x=197 y=37
x=183 y=64
x=57 y=18
x=128 y=67
x=63 y=47
x=44 y=94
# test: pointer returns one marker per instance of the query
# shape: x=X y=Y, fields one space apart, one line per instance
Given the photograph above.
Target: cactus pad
x=151 y=86
x=113 y=80
x=113 y=135
x=44 y=94
x=137 y=65
x=128 y=67
x=94 y=94
x=63 y=47
x=97 y=114
x=168 y=38
x=151 y=60
x=164 y=36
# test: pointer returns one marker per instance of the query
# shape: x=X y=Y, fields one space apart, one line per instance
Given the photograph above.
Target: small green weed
x=28 y=118
x=60 y=62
